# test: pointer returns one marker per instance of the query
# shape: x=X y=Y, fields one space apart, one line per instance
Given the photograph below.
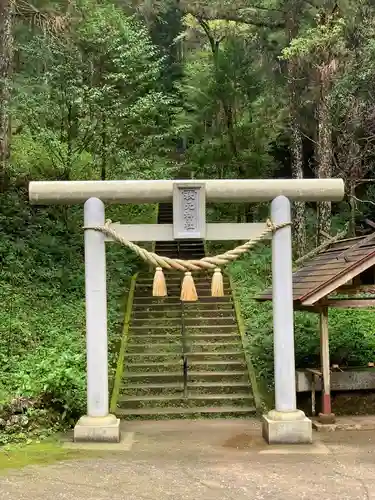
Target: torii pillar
x=285 y=424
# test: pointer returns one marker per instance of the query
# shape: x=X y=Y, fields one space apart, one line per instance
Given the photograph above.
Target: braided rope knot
x=187 y=266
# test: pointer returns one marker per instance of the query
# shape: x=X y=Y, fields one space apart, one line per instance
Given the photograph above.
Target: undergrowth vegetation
x=42 y=315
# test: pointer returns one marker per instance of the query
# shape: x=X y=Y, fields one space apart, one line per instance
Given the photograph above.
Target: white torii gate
x=285 y=424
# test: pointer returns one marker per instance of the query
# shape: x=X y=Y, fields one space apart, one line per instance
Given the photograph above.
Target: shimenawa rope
x=188 y=291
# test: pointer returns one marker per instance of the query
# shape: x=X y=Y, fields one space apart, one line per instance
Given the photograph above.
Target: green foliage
x=95 y=93
x=318 y=40
x=226 y=118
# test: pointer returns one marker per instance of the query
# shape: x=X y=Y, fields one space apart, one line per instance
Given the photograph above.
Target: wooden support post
x=326 y=416
x=313 y=394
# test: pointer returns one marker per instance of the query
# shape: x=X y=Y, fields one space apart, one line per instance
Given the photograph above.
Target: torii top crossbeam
x=154 y=191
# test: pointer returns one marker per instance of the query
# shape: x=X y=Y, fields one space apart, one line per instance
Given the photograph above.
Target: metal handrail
x=185 y=366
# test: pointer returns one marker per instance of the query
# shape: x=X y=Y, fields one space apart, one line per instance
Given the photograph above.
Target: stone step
x=192 y=395
x=187 y=245
x=175 y=294
x=174 y=254
x=172 y=294
x=193 y=254
x=193 y=400
x=216 y=349
x=189 y=329
x=152 y=389
x=161 y=314
x=196 y=253
x=174 y=289
x=178 y=387
x=197 y=321
x=134 y=358
x=167 y=301
x=193 y=376
x=160 y=346
x=208 y=338
x=177 y=364
x=189 y=307
x=191 y=246
x=192 y=347
x=176 y=282
x=167 y=244
x=175 y=274
x=187 y=412
x=176 y=285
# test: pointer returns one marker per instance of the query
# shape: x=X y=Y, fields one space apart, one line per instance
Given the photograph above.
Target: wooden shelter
x=341 y=276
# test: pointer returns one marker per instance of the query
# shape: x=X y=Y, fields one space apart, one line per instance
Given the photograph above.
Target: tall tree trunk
x=293 y=11
x=103 y=172
x=324 y=152
x=296 y=153
x=299 y=207
x=6 y=56
x=354 y=173
x=354 y=168
x=324 y=149
x=353 y=207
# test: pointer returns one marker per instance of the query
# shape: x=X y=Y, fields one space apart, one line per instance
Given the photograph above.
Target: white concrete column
x=96 y=310
x=282 y=294
x=285 y=424
x=97 y=425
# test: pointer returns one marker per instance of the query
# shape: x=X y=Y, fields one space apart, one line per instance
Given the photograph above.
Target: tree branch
x=363 y=201
x=256 y=16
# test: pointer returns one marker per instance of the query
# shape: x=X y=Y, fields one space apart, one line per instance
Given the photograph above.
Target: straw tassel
x=217 y=285
x=188 y=290
x=159 y=288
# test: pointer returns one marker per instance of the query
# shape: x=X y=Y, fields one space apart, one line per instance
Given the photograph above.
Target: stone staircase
x=183 y=359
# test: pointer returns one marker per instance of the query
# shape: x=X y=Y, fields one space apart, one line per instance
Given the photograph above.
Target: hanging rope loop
x=187 y=266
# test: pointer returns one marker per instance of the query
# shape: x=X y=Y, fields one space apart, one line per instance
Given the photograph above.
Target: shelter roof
x=328 y=270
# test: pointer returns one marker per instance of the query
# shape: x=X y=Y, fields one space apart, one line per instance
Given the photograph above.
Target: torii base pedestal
x=287 y=428
x=98 y=429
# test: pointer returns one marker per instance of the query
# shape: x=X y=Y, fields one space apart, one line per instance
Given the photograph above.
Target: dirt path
x=191 y=460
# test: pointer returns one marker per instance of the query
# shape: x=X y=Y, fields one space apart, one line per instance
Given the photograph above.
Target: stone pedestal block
x=98 y=429
x=287 y=428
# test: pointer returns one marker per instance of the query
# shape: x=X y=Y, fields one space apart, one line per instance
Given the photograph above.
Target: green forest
x=156 y=89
